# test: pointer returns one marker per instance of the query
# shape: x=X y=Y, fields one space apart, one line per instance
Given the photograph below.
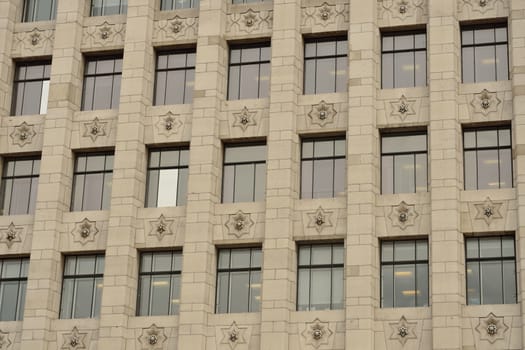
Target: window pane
x=404 y=174
x=505 y=168
x=387 y=174
x=21 y=299
x=306 y=179
x=175 y=294
x=387 y=286
x=32 y=96
x=485 y=64
x=103 y=92
x=309 y=77
x=491 y=282
x=502 y=65
x=339 y=177
x=93 y=194
x=341 y=75
x=240 y=258
x=321 y=255
x=182 y=187
x=470 y=170
x=404 y=42
x=239 y=282
x=387 y=251
x=404 y=285
x=325 y=75
x=320 y=294
x=145 y=285
x=337 y=288
x=490 y=247
x=404 y=69
x=507 y=245
x=387 y=71
x=421 y=172
x=84 y=288
x=160 y=88
x=404 y=143
x=509 y=282
x=303 y=290
x=175 y=87
x=67 y=298
x=228 y=182
x=323 y=178
x=421 y=250
x=422 y=285
x=488 y=167
x=167 y=195
x=249 y=81
x=404 y=250
x=152 y=188
x=161 y=262
x=160 y=295
x=473 y=287
x=260 y=182
x=468 y=66
x=487 y=138
x=8 y=300
x=304 y=255
x=255 y=291
x=245 y=154
x=20 y=196
x=244 y=183
x=421 y=68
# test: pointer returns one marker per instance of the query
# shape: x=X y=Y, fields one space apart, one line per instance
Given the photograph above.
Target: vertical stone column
x=54 y=189
x=446 y=241
x=198 y=274
x=278 y=294
x=120 y=274
x=8 y=9
x=362 y=172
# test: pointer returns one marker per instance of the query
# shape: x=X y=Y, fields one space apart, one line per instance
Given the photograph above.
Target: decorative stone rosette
x=320 y=219
x=322 y=114
x=488 y=211
x=402 y=108
x=401 y=9
x=491 y=328
x=169 y=124
x=85 y=231
x=104 y=34
x=36 y=40
x=175 y=27
x=317 y=333
x=325 y=14
x=161 y=227
x=152 y=338
x=403 y=215
x=74 y=340
x=233 y=335
x=239 y=224
x=95 y=129
x=23 y=134
x=244 y=119
x=250 y=21
x=403 y=330
x=485 y=102
x=11 y=234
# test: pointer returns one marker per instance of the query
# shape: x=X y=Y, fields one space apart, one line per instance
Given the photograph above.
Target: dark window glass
x=320 y=281
x=13 y=283
x=82 y=286
x=174 y=77
x=404 y=273
x=20 y=185
x=247 y=1
x=487 y=158
x=491 y=270
x=167 y=177
x=31 y=88
x=159 y=283
x=404 y=60
x=39 y=10
x=403 y=163
x=484 y=51
x=108 y=7
x=244 y=173
x=323 y=167
x=238 y=280
x=101 y=83
x=249 y=71
x=166 y=5
x=92 y=181
x=325 y=65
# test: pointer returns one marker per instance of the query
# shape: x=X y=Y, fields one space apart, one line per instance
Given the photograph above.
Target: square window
x=102 y=77
x=39 y=10
x=249 y=71
x=174 y=78
x=92 y=180
x=325 y=65
x=31 y=88
x=20 y=185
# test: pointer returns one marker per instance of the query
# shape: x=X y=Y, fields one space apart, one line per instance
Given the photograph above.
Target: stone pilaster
x=7 y=24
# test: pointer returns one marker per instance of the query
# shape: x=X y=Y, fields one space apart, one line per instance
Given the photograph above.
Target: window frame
x=5 y=177
x=20 y=304
x=87 y=60
x=193 y=5
x=123 y=8
x=186 y=68
x=17 y=81
x=29 y=15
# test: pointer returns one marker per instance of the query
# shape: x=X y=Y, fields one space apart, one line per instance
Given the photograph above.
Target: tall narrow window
x=323 y=167
x=404 y=273
x=249 y=71
x=484 y=51
x=487 y=158
x=20 y=185
x=174 y=78
x=404 y=60
x=167 y=177
x=92 y=181
x=238 y=280
x=108 y=7
x=325 y=65
x=320 y=282
x=82 y=286
x=13 y=283
x=31 y=88
x=403 y=163
x=166 y=5
x=244 y=173
x=102 y=83
x=159 y=283
x=491 y=270
x=39 y=10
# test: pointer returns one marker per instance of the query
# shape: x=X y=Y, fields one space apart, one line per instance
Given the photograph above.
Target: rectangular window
x=484 y=52
x=82 y=286
x=238 y=280
x=174 y=78
x=159 y=283
x=249 y=71
x=167 y=182
x=20 y=185
x=247 y=1
x=325 y=65
x=101 y=83
x=403 y=163
x=320 y=281
x=323 y=167
x=13 y=283
x=31 y=88
x=39 y=10
x=244 y=173
x=404 y=273
x=108 y=7
x=487 y=158
x=167 y=5
x=92 y=181
x=491 y=270
x=404 y=60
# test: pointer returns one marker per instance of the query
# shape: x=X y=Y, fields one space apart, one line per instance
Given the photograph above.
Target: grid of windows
x=159 y=283
x=13 y=283
x=403 y=60
x=244 y=173
x=323 y=167
x=325 y=65
x=166 y=5
x=92 y=181
x=487 y=158
x=174 y=77
x=20 y=185
x=31 y=88
x=82 y=286
x=249 y=71
x=108 y=7
x=101 y=83
x=404 y=273
x=39 y=10
x=238 y=280
x=320 y=282
x=484 y=52
x=491 y=270
x=403 y=163
x=167 y=177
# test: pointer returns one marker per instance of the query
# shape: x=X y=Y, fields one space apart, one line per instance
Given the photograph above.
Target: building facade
x=286 y=174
